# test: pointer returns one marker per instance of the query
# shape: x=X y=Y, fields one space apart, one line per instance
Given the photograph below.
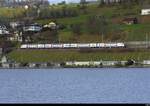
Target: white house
x=32 y=28
x=4 y=62
x=16 y=24
x=146 y=62
x=145 y=12
x=3 y=30
x=17 y=37
x=84 y=63
x=95 y=63
x=51 y=25
x=4 y=59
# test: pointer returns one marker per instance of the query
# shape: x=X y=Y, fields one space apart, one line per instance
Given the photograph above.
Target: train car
x=70 y=45
x=100 y=45
x=85 y=45
x=32 y=46
x=73 y=45
x=93 y=45
x=24 y=46
x=66 y=46
x=29 y=46
x=57 y=46
x=108 y=45
x=113 y=45
x=121 y=45
x=40 y=46
x=48 y=46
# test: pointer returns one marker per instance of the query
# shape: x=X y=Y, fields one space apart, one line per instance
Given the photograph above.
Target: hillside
x=114 y=14
x=79 y=28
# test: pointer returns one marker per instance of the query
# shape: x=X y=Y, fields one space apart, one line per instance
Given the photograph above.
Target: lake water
x=75 y=85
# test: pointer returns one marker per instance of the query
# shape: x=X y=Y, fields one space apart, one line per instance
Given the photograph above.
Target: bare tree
x=83 y=3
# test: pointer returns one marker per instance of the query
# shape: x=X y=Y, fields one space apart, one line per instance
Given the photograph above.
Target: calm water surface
x=75 y=86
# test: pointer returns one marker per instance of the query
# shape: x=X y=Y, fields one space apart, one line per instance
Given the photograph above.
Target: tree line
x=46 y=13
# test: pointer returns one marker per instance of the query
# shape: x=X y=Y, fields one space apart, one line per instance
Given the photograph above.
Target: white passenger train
x=72 y=45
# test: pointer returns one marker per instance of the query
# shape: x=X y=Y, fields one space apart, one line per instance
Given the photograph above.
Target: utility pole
x=38 y=12
x=102 y=38
x=146 y=40
x=26 y=9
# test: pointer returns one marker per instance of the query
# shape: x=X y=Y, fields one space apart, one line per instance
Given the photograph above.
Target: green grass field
x=61 y=56
x=136 y=32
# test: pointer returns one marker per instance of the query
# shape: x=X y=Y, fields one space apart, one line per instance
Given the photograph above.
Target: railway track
x=85 y=50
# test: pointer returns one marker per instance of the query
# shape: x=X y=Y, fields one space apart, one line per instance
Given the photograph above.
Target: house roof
x=28 y=25
x=2 y=27
x=52 y=23
x=146 y=9
x=129 y=19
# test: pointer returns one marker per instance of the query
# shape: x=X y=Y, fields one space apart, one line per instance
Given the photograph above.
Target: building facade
x=145 y=11
x=32 y=28
x=130 y=21
x=3 y=30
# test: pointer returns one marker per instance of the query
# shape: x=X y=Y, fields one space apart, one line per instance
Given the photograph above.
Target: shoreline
x=5 y=64
x=46 y=68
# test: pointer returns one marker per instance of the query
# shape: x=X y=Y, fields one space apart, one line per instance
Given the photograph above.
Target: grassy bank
x=60 y=56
